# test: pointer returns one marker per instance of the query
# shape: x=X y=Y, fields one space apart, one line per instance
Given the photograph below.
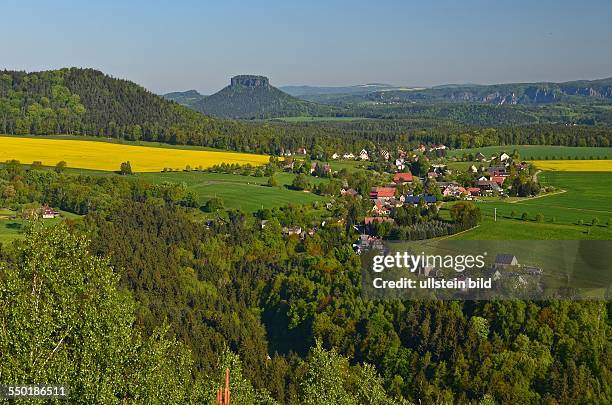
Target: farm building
x=382 y=192
x=504 y=260
x=401 y=178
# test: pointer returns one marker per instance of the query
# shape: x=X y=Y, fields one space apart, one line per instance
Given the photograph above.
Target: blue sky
x=180 y=45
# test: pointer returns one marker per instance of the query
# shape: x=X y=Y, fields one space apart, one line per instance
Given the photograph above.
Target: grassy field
x=247 y=193
x=539 y=152
x=574 y=165
x=11 y=229
x=109 y=156
x=585 y=196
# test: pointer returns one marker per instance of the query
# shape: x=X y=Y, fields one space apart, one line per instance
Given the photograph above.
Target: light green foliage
x=480 y=326
x=64 y=321
x=329 y=380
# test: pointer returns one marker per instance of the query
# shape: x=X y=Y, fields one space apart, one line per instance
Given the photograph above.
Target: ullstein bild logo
x=405 y=260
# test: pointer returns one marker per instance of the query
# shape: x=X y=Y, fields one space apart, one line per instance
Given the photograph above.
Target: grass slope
x=587 y=196
x=247 y=193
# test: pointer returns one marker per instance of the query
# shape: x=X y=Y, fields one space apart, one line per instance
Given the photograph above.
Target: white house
x=335 y=156
x=363 y=155
x=503 y=157
x=348 y=156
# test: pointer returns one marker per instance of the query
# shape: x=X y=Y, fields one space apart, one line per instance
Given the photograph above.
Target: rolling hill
x=247 y=97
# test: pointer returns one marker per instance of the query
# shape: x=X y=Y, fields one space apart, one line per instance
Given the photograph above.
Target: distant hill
x=249 y=96
x=187 y=98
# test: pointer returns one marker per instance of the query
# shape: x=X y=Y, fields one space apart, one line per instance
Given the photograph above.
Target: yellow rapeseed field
x=574 y=165
x=109 y=156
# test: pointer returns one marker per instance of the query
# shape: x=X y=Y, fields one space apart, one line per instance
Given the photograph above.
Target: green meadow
x=247 y=193
x=567 y=215
x=11 y=229
x=539 y=152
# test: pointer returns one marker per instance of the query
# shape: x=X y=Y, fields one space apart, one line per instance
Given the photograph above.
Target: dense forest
x=284 y=313
x=87 y=102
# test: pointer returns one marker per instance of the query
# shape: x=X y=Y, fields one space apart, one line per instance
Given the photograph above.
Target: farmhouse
x=382 y=193
x=402 y=178
x=503 y=157
x=363 y=155
x=48 y=213
x=351 y=192
x=302 y=151
x=498 y=171
x=480 y=157
x=473 y=191
x=377 y=220
x=435 y=147
x=505 y=260
x=498 y=179
x=385 y=154
x=348 y=156
x=489 y=185
x=335 y=156
x=380 y=209
x=454 y=191
x=368 y=242
x=293 y=230
x=399 y=163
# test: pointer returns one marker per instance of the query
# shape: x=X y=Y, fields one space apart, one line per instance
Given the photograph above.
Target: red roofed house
x=372 y=220
x=401 y=178
x=382 y=192
x=473 y=190
x=498 y=179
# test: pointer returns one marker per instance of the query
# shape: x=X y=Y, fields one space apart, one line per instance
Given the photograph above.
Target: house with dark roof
x=415 y=199
x=504 y=260
x=489 y=186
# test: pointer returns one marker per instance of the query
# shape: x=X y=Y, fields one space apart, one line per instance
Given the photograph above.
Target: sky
x=180 y=45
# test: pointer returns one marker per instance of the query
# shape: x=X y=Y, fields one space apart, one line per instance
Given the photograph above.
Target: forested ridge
x=284 y=313
x=87 y=102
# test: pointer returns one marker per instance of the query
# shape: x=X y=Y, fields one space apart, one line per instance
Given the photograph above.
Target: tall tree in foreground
x=65 y=322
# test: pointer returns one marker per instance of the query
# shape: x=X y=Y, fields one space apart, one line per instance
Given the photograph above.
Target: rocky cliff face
x=250 y=81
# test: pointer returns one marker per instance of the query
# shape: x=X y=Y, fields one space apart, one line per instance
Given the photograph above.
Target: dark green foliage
x=301 y=182
x=212 y=205
x=125 y=168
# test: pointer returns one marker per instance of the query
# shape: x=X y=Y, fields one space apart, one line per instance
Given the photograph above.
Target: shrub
x=125 y=168
x=212 y=205
x=524 y=216
x=539 y=217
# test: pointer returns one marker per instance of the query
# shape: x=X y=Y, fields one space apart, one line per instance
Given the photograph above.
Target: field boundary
x=537 y=196
x=458 y=233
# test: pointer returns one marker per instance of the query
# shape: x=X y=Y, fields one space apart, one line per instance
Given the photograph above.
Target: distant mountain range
x=300 y=91
x=248 y=96
x=511 y=93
